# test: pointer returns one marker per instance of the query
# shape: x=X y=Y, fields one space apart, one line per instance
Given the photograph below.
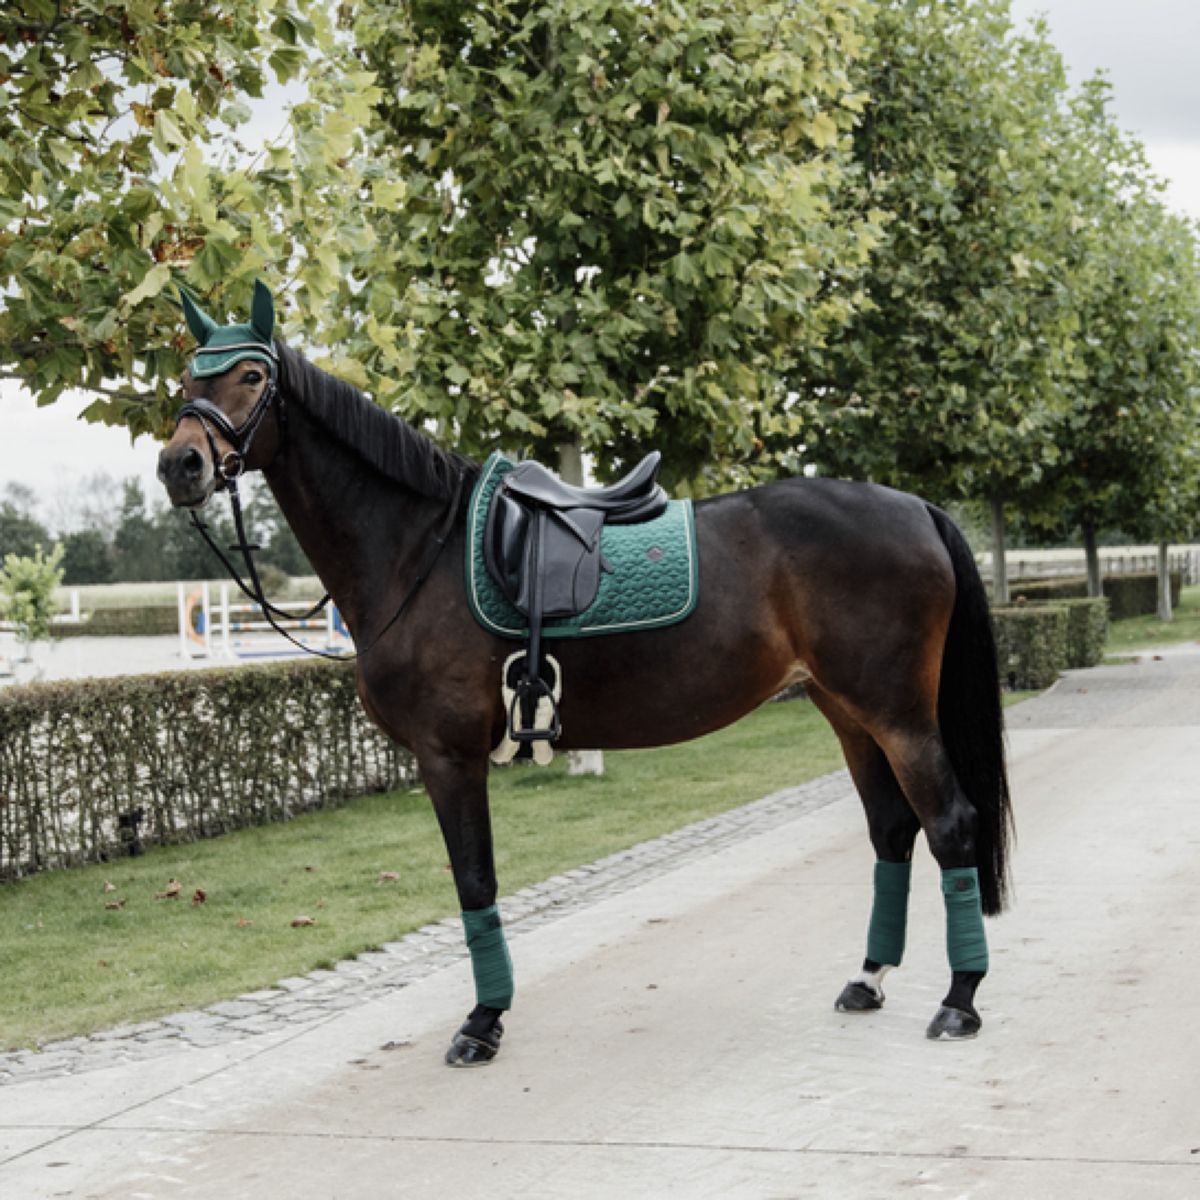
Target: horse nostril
x=181 y=466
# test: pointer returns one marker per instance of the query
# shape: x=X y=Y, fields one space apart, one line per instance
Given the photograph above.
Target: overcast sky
x=1149 y=48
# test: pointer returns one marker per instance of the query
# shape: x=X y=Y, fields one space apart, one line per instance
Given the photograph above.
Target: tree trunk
x=570 y=467
x=999 y=561
x=1091 y=553
x=1164 y=583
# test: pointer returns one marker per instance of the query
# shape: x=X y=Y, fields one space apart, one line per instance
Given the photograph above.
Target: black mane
x=388 y=443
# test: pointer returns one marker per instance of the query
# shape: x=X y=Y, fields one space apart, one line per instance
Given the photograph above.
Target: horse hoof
x=953 y=1024
x=858 y=997
x=469 y=1051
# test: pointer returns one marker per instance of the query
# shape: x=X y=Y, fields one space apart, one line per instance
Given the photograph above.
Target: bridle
x=240 y=437
x=228 y=469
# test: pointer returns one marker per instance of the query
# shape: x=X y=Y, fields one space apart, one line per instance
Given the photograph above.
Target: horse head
x=228 y=390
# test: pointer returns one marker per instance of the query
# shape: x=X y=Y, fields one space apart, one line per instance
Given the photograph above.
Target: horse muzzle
x=187 y=474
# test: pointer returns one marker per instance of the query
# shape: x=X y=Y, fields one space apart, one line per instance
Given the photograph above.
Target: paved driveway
x=675 y=1034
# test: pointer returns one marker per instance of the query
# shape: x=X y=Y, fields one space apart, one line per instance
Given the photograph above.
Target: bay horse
x=869 y=596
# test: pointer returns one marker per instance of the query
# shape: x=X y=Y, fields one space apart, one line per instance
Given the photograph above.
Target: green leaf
x=152 y=284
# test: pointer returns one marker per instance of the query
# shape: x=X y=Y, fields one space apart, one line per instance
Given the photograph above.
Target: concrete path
x=676 y=1037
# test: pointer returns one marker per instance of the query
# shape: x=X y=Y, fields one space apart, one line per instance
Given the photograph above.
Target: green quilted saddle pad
x=655 y=579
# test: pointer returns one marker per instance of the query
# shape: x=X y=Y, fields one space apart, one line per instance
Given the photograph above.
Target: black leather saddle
x=636 y=497
x=542 y=548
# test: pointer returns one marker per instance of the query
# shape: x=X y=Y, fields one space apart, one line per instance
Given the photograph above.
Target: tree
x=88 y=502
x=270 y=530
x=138 y=543
x=185 y=554
x=121 y=172
x=1159 y=499
x=20 y=530
x=1129 y=443
x=947 y=379
x=602 y=219
x=27 y=593
x=87 y=557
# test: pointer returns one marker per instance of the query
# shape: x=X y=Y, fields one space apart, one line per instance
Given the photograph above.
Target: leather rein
x=228 y=469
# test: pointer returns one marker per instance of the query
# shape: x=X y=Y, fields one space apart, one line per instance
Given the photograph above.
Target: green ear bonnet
x=224 y=346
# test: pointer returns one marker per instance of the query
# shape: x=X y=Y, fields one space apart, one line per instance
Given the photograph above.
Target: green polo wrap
x=889 y=913
x=966 y=941
x=489 y=957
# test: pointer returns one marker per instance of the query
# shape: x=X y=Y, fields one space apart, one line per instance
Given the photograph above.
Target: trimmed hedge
x=1087 y=630
x=1034 y=591
x=1034 y=642
x=133 y=621
x=1031 y=644
x=95 y=768
x=1128 y=595
x=1137 y=595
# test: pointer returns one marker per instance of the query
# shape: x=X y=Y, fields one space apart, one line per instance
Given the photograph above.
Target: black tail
x=972 y=718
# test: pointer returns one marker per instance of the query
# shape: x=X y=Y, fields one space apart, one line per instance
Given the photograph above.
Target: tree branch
x=109 y=393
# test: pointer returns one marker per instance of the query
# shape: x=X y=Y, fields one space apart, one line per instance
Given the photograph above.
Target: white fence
x=240 y=630
x=1114 y=560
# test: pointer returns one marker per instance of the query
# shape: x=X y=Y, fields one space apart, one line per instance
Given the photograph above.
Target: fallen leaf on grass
x=389 y=876
x=109 y=887
x=172 y=892
x=242 y=923
x=114 y=904
x=300 y=922
x=199 y=896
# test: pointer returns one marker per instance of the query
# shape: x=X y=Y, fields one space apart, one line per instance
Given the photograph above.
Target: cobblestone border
x=310 y=999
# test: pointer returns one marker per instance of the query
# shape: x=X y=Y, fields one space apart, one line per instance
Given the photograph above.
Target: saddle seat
x=636 y=497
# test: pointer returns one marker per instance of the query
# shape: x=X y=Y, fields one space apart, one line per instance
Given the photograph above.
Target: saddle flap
x=567 y=563
x=547 y=563
x=504 y=544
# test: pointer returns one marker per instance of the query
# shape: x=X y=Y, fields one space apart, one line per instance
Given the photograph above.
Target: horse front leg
x=457 y=785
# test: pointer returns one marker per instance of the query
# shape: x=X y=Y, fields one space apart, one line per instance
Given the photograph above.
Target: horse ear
x=198 y=321
x=262 y=312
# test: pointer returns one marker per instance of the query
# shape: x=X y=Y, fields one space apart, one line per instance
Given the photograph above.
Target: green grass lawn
x=1142 y=633
x=70 y=964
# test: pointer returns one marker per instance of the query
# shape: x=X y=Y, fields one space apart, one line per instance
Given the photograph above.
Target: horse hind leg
x=893 y=828
x=920 y=763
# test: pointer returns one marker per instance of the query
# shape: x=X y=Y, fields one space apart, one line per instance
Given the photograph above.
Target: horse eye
x=251 y=377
